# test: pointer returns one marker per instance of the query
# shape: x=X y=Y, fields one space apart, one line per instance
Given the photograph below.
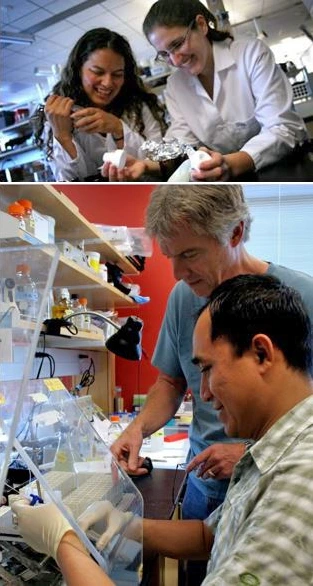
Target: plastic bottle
x=118 y=400
x=17 y=211
x=75 y=307
x=65 y=456
x=26 y=294
x=86 y=319
x=115 y=429
x=62 y=307
x=28 y=215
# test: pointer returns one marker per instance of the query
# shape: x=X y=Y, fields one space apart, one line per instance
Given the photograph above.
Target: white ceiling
x=55 y=34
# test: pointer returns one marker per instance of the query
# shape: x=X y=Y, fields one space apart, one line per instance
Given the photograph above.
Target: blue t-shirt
x=173 y=355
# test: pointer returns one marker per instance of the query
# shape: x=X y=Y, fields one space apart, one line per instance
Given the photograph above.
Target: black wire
x=87 y=378
x=175 y=493
x=42 y=358
x=44 y=355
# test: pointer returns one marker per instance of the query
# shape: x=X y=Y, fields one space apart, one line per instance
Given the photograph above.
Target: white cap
x=117 y=158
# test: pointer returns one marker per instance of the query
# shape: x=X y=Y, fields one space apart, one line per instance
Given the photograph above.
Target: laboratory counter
x=295 y=167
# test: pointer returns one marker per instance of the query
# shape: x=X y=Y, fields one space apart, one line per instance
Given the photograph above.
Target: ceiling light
x=54 y=70
x=16 y=38
x=43 y=71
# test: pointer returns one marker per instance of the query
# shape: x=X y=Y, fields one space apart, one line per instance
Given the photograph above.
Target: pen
x=164 y=460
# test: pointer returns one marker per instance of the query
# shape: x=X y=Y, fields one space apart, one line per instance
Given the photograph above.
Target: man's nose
x=180 y=269
x=205 y=392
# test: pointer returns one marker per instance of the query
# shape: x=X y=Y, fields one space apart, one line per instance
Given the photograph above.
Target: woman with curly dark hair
x=100 y=104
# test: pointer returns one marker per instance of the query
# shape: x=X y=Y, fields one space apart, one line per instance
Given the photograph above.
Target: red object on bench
x=174 y=437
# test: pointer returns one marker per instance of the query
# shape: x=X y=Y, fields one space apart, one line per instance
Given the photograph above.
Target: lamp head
x=126 y=342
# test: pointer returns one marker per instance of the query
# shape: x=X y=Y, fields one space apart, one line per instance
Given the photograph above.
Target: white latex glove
x=42 y=526
x=114 y=519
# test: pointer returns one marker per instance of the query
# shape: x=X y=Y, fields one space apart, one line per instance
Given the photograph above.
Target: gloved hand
x=114 y=519
x=42 y=527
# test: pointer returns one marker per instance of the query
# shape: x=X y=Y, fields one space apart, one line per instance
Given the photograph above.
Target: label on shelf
x=54 y=384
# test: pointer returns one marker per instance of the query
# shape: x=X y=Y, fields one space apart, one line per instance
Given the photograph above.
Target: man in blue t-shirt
x=202 y=230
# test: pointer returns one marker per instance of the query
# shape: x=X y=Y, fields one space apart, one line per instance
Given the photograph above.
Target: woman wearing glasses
x=227 y=95
x=100 y=104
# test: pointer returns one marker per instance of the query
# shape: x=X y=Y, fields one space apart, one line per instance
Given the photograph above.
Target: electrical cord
x=50 y=358
x=177 y=493
x=87 y=378
x=6 y=313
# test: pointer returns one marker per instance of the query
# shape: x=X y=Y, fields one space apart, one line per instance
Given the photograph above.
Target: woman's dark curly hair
x=170 y=13
x=131 y=97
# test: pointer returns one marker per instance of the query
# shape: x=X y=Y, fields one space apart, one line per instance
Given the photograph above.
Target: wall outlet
x=6 y=349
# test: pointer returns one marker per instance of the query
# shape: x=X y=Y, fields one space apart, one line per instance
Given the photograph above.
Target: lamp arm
x=95 y=314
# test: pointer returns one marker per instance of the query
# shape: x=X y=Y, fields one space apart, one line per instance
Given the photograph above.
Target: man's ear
x=263 y=349
x=237 y=234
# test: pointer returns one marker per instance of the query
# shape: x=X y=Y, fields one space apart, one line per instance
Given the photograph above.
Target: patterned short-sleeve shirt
x=264 y=529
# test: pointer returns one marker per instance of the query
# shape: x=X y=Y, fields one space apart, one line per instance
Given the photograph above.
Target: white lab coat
x=90 y=149
x=251 y=109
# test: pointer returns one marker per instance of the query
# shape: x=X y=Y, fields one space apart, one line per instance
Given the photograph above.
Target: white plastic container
x=117 y=158
x=51 y=228
x=93 y=258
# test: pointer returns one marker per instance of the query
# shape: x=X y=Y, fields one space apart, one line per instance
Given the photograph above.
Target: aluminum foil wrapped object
x=169 y=154
x=163 y=151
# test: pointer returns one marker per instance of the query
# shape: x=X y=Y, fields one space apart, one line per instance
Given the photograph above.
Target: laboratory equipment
x=18 y=338
x=69 y=464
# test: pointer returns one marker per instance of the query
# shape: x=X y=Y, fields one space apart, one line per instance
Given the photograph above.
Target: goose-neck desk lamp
x=125 y=342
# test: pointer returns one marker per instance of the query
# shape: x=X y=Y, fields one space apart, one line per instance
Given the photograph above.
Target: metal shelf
x=12 y=153
x=16 y=126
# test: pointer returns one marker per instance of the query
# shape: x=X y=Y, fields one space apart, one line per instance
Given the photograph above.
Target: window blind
x=282 y=226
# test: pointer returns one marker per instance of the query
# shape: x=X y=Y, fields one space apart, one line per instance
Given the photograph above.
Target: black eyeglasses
x=174 y=46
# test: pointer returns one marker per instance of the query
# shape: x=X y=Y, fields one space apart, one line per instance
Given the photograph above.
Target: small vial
x=86 y=319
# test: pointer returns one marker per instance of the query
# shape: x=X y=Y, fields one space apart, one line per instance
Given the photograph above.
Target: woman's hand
x=223 y=167
x=58 y=111
x=93 y=120
x=215 y=169
x=42 y=526
x=132 y=171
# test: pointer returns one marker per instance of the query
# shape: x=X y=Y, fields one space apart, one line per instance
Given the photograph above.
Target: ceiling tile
x=29 y=20
x=59 y=5
x=12 y=10
x=81 y=17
